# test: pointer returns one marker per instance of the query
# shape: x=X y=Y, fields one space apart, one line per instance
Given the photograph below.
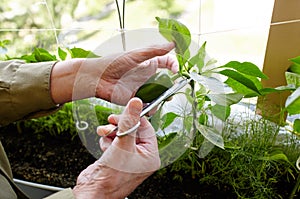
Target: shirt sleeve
x=24 y=90
x=65 y=194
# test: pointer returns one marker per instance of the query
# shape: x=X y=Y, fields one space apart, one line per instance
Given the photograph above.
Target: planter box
x=36 y=190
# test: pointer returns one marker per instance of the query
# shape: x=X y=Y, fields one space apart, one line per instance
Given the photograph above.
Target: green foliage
x=61 y=121
x=3 y=45
x=253 y=164
x=42 y=55
x=293 y=102
x=54 y=124
x=80 y=53
x=203 y=85
x=295 y=66
x=154 y=87
x=248 y=161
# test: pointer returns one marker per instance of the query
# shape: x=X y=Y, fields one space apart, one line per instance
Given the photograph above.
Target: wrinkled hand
x=116 y=78
x=127 y=160
x=129 y=71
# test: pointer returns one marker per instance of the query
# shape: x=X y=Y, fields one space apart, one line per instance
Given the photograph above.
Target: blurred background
x=234 y=29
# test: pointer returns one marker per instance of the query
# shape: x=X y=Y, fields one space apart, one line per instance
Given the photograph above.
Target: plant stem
x=122 y=23
x=192 y=83
x=123 y=14
x=295 y=187
x=119 y=14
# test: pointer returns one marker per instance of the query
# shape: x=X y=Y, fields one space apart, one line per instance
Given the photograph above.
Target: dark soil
x=58 y=161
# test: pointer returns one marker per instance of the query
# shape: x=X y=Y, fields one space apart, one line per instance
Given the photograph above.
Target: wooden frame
x=283 y=44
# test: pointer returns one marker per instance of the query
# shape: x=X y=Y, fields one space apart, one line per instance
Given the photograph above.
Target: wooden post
x=283 y=44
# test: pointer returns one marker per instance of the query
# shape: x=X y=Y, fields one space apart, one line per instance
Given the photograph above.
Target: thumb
x=129 y=118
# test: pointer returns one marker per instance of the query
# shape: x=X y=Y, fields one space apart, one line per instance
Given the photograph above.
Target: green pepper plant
x=209 y=97
x=292 y=105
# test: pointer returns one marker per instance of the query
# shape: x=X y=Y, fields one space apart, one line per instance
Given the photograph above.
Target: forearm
x=75 y=79
x=62 y=80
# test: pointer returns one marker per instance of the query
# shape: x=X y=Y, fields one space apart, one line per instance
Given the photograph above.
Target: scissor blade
x=168 y=93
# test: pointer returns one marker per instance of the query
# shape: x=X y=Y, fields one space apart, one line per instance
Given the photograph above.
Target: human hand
x=129 y=71
x=114 y=78
x=119 y=76
x=127 y=160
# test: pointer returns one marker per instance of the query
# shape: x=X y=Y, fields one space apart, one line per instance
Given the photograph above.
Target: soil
x=58 y=161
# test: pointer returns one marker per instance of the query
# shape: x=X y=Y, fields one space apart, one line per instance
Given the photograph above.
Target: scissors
x=168 y=93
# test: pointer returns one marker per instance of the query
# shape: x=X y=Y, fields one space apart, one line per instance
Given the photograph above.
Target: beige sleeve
x=65 y=194
x=24 y=90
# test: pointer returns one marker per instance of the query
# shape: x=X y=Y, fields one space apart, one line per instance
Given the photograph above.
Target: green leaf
x=210 y=83
x=155 y=120
x=62 y=54
x=188 y=124
x=29 y=58
x=221 y=112
x=175 y=31
x=81 y=53
x=4 y=43
x=242 y=79
x=211 y=62
x=168 y=118
x=165 y=140
x=247 y=68
x=225 y=99
x=205 y=148
x=42 y=55
x=154 y=87
x=296 y=125
x=203 y=118
x=295 y=60
x=211 y=134
x=292 y=103
x=294 y=68
x=198 y=59
x=275 y=156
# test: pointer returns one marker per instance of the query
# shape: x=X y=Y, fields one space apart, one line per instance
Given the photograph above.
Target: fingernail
x=135 y=106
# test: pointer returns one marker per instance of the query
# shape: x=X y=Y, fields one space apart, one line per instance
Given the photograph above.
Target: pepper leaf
x=292 y=103
x=168 y=118
x=211 y=83
x=81 y=53
x=221 y=112
x=177 y=32
x=247 y=68
x=225 y=99
x=242 y=79
x=295 y=60
x=296 y=125
x=198 y=59
x=211 y=135
x=41 y=55
x=62 y=54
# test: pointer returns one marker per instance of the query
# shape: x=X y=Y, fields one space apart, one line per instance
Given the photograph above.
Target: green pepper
x=154 y=87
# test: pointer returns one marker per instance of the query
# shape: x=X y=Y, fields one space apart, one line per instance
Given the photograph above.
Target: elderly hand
x=114 y=78
x=127 y=160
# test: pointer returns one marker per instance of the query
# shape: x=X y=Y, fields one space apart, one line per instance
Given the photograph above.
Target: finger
x=141 y=55
x=113 y=119
x=169 y=62
x=105 y=142
x=129 y=118
x=105 y=129
x=146 y=137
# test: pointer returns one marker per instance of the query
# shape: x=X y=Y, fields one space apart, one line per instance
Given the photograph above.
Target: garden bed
x=58 y=161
